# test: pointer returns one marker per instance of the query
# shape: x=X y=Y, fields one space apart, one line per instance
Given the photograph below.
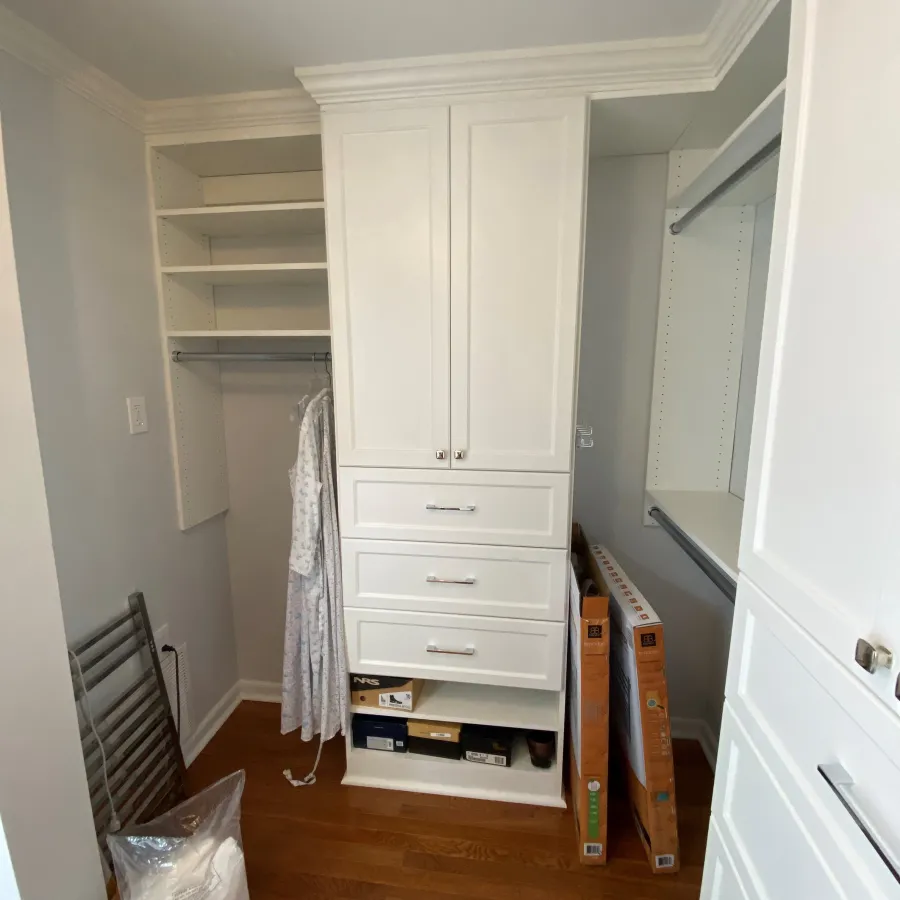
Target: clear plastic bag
x=193 y=852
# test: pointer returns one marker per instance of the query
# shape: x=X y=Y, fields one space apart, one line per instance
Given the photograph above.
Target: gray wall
x=623 y=250
x=81 y=229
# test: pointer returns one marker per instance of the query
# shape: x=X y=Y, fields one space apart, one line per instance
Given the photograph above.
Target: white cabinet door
x=386 y=181
x=517 y=198
x=820 y=529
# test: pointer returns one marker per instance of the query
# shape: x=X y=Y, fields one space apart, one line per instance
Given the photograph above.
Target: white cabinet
x=516 y=194
x=820 y=533
x=494 y=389
x=388 y=215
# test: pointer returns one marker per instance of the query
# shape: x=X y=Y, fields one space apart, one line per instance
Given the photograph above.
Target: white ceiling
x=178 y=48
x=638 y=125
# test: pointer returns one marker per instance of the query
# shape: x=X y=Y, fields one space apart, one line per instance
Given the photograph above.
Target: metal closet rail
x=183 y=356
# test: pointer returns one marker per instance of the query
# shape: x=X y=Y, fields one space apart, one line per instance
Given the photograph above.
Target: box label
x=665 y=861
x=593 y=849
x=489 y=758
x=593 y=811
x=442 y=735
x=379 y=743
x=396 y=700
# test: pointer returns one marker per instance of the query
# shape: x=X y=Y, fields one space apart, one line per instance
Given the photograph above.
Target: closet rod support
x=721 y=579
x=752 y=164
x=190 y=356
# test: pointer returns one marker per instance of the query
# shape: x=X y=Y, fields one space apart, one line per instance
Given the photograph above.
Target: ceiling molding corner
x=611 y=69
x=33 y=47
x=252 y=109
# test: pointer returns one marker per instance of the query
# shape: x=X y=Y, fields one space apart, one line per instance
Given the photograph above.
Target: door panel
x=387 y=183
x=517 y=197
x=819 y=533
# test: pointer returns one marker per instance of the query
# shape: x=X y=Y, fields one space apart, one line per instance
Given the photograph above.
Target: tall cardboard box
x=640 y=710
x=588 y=704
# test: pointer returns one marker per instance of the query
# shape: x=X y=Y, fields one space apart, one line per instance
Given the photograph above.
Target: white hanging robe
x=314 y=682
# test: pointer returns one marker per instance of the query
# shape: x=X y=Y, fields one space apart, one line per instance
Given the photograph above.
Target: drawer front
x=510 y=582
x=805 y=710
x=765 y=833
x=513 y=652
x=720 y=878
x=521 y=509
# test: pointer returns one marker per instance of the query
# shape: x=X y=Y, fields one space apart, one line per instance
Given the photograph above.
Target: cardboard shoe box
x=641 y=713
x=385 y=692
x=588 y=702
x=435 y=738
x=487 y=744
x=379 y=733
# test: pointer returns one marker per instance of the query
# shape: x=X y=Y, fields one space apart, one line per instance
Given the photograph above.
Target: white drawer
x=720 y=877
x=513 y=652
x=521 y=509
x=511 y=582
x=802 y=709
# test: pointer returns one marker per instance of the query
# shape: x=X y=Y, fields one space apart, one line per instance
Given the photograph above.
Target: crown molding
x=252 y=109
x=33 y=47
x=610 y=69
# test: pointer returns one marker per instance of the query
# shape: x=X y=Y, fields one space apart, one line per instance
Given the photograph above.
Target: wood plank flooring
x=332 y=841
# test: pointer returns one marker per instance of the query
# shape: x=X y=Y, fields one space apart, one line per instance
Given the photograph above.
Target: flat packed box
x=641 y=714
x=385 y=692
x=588 y=701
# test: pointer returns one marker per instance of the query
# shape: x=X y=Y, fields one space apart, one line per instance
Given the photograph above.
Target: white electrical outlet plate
x=137 y=415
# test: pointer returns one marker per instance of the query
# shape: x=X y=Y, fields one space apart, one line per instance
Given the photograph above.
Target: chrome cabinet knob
x=459 y=454
x=871 y=657
x=440 y=454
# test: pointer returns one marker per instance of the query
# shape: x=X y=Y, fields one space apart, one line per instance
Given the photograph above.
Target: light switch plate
x=137 y=415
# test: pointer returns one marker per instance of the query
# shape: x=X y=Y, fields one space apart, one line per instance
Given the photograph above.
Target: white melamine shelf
x=250 y=219
x=481 y=704
x=258 y=273
x=711 y=519
x=520 y=783
x=250 y=333
x=763 y=124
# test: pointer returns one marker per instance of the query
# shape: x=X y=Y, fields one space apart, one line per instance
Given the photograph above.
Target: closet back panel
x=696 y=372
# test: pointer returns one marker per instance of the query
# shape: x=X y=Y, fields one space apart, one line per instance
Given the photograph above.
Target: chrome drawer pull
x=433 y=648
x=837 y=778
x=433 y=579
x=451 y=508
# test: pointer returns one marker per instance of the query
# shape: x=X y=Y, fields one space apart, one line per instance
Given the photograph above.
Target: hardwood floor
x=332 y=841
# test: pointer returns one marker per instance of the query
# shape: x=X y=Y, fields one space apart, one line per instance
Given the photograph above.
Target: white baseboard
x=697 y=730
x=265 y=691
x=211 y=723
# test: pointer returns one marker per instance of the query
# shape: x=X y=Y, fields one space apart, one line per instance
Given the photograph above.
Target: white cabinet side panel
x=696 y=374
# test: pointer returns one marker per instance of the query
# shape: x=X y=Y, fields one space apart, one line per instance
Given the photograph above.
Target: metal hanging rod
x=188 y=356
x=721 y=579
x=739 y=175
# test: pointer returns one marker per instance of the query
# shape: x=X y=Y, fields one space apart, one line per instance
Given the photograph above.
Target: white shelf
x=520 y=783
x=481 y=704
x=711 y=519
x=259 y=273
x=250 y=333
x=249 y=219
x=763 y=124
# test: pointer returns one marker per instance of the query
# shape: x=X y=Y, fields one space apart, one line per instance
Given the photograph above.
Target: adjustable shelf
x=240 y=220
x=250 y=333
x=253 y=273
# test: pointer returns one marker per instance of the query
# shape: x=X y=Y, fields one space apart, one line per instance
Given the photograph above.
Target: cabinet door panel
x=386 y=180
x=517 y=198
x=819 y=533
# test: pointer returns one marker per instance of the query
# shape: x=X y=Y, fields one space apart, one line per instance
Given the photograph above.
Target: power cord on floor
x=114 y=823
x=168 y=648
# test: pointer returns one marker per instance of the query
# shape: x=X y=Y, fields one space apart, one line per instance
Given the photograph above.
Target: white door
x=386 y=184
x=517 y=197
x=821 y=532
